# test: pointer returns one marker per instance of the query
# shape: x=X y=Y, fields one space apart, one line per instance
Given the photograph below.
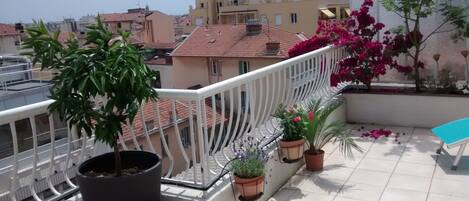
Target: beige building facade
x=9 y=39
x=218 y=52
x=292 y=15
x=146 y=26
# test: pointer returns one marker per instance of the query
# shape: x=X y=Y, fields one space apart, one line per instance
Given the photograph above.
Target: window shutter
x=240 y=67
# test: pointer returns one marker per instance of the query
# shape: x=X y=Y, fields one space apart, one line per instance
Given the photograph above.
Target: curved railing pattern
x=191 y=129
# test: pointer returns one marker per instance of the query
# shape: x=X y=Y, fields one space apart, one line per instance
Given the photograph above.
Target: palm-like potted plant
x=292 y=122
x=248 y=167
x=110 y=68
x=319 y=133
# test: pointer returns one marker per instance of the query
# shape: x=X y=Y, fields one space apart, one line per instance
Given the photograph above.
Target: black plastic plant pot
x=143 y=186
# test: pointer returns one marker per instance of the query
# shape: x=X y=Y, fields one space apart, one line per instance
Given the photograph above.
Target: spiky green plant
x=319 y=132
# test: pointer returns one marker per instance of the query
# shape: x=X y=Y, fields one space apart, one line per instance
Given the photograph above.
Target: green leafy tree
x=413 y=12
x=106 y=67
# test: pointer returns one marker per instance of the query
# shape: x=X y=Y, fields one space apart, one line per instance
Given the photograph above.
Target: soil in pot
x=249 y=188
x=292 y=150
x=141 y=179
x=314 y=161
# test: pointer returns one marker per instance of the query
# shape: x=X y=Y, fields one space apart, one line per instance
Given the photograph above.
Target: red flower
x=311 y=116
x=296 y=119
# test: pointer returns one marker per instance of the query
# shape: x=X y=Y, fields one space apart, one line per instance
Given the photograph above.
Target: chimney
x=272 y=47
x=253 y=27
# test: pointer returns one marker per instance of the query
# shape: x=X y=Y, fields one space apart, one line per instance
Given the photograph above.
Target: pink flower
x=311 y=116
x=296 y=119
x=378 y=26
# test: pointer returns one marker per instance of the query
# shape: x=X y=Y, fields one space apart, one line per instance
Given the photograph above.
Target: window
x=243 y=67
x=344 y=13
x=119 y=25
x=264 y=19
x=199 y=21
x=157 y=82
x=201 y=5
x=215 y=68
x=243 y=100
x=278 y=20
x=185 y=137
x=163 y=150
x=294 y=18
x=327 y=13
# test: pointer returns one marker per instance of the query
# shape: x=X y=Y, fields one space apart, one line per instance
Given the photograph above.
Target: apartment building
x=292 y=15
x=9 y=39
x=145 y=25
x=217 y=52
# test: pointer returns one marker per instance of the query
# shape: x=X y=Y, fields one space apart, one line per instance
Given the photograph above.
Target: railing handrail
x=24 y=112
x=216 y=87
x=187 y=94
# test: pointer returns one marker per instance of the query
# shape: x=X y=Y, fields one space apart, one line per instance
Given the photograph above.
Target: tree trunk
x=118 y=161
x=417 y=70
x=368 y=86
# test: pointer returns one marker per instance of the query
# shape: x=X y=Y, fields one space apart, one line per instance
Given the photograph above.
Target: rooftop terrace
x=405 y=170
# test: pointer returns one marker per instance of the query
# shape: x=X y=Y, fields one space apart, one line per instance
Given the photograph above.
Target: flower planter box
x=415 y=110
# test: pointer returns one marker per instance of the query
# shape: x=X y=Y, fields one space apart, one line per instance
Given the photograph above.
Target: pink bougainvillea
x=309 y=45
x=368 y=57
x=379 y=133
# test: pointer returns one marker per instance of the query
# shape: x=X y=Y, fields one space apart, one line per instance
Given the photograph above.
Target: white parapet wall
x=405 y=110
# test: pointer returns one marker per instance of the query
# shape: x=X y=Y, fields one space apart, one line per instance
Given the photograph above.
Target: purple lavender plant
x=250 y=158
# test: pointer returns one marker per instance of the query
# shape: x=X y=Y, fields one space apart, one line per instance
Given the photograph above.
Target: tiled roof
x=160 y=45
x=7 y=30
x=158 y=61
x=121 y=17
x=165 y=109
x=232 y=41
x=65 y=36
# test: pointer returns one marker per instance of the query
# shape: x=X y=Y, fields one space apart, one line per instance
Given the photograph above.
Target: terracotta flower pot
x=292 y=150
x=249 y=188
x=314 y=162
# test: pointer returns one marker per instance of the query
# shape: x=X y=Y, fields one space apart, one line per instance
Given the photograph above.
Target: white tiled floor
x=406 y=170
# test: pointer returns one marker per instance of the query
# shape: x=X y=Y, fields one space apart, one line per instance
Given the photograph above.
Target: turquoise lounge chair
x=453 y=134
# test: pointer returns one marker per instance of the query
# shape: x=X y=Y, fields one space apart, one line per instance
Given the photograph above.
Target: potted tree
x=248 y=168
x=319 y=133
x=110 y=68
x=292 y=122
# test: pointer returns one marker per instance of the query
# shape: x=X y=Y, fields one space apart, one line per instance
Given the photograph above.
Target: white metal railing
x=191 y=129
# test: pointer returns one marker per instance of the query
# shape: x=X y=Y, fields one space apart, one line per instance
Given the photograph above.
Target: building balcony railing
x=192 y=130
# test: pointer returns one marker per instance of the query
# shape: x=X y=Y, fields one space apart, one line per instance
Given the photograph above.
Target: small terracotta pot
x=292 y=150
x=249 y=188
x=314 y=162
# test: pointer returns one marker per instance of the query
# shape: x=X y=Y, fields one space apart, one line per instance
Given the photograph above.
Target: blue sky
x=55 y=10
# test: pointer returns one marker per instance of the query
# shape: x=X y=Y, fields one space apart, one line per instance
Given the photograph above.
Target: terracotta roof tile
x=158 y=61
x=232 y=41
x=160 y=45
x=7 y=30
x=65 y=36
x=165 y=110
x=121 y=17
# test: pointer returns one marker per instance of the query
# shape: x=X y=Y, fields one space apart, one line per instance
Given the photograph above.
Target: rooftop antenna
x=268 y=29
